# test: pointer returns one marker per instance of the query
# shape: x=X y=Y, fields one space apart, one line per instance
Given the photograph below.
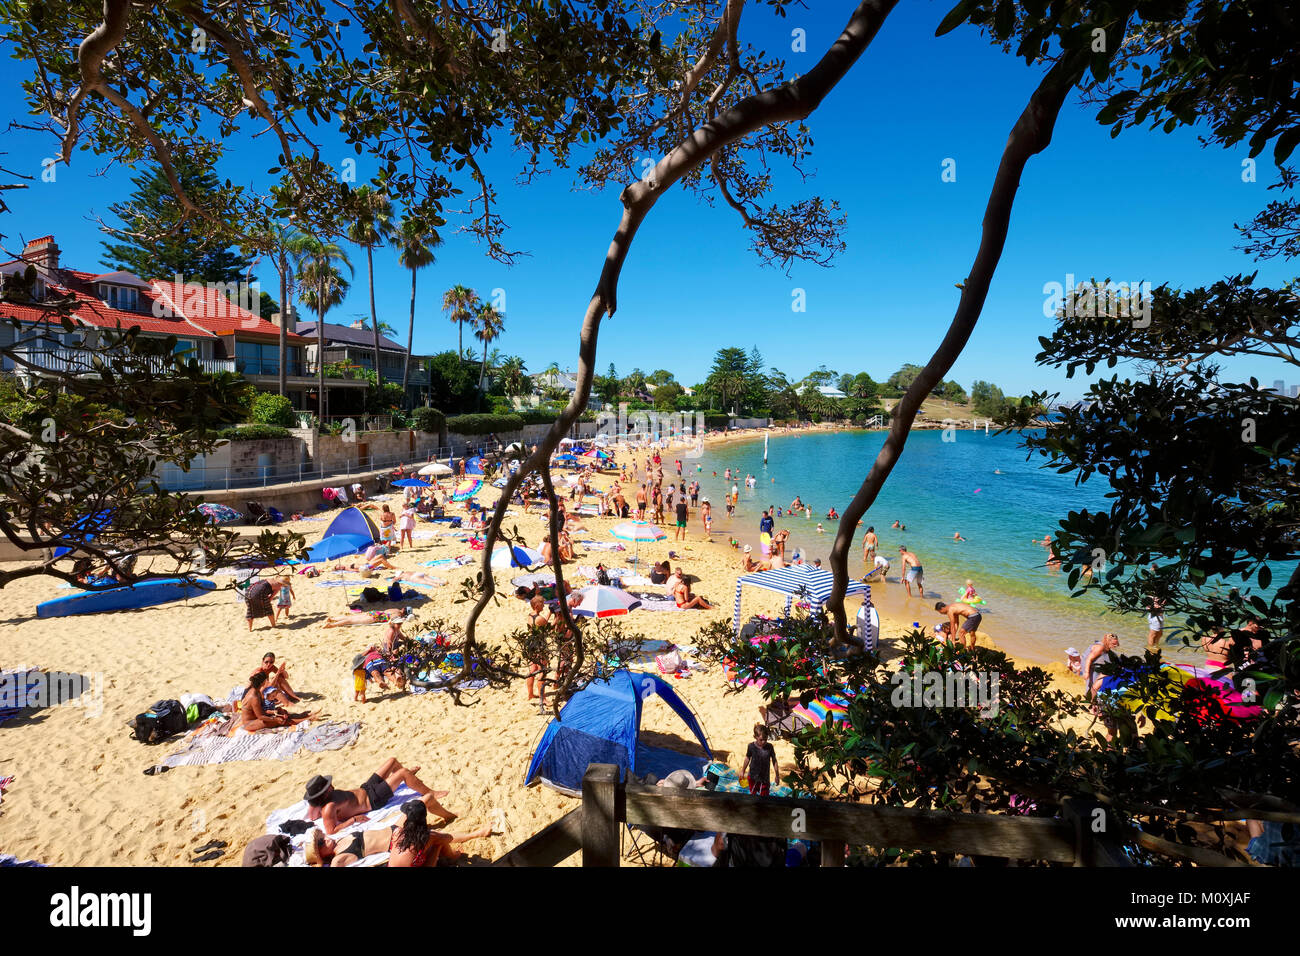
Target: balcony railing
x=75 y=360
x=272 y=367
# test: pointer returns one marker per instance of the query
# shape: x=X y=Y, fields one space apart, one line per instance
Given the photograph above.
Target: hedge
x=717 y=421
x=429 y=420
x=253 y=432
x=538 y=416
x=484 y=424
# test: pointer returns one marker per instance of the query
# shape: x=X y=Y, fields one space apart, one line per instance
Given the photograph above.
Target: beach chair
x=258 y=513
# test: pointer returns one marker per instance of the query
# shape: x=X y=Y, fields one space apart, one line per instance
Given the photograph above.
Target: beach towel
x=601 y=545
x=8 y=859
x=654 y=601
x=380 y=819
x=208 y=745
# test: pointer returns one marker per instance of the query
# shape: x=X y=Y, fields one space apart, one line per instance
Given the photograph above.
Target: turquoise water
x=979 y=485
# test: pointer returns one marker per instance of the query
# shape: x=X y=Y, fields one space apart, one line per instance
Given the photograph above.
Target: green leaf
x=956 y=16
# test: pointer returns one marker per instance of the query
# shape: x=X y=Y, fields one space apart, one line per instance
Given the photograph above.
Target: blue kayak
x=145 y=594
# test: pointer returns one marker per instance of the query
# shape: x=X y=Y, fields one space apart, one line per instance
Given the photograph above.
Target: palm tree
x=372 y=226
x=488 y=324
x=460 y=303
x=415 y=245
x=277 y=241
x=323 y=288
x=513 y=377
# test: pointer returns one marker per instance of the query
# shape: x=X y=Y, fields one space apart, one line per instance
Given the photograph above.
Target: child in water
x=969 y=593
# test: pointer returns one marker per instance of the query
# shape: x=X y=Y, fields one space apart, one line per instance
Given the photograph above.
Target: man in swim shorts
x=869 y=544
x=968 y=627
x=682 y=515
x=913 y=573
x=337 y=808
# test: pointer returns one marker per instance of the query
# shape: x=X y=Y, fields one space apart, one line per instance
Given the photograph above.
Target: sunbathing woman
x=353 y=618
x=682 y=595
x=253 y=713
x=419 y=577
x=277 y=678
x=415 y=843
x=320 y=850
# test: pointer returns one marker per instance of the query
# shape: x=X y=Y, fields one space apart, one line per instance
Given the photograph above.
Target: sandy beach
x=79 y=795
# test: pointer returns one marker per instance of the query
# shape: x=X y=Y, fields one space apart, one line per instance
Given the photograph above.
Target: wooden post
x=1097 y=833
x=600 y=817
x=832 y=852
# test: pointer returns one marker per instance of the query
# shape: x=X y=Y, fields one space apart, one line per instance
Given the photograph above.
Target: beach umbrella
x=220 y=514
x=600 y=600
x=637 y=531
x=515 y=557
x=596 y=453
x=466 y=489
x=566 y=458
x=436 y=468
x=411 y=483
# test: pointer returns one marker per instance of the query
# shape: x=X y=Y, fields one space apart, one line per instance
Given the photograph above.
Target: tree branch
x=1031 y=134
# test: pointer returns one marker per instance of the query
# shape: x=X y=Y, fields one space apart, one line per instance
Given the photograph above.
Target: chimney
x=279 y=317
x=42 y=253
x=359 y=324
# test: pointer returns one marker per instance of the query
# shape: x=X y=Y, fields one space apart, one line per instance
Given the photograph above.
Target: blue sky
x=1145 y=206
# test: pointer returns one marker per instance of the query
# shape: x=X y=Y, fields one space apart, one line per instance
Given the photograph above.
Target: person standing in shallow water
x=913 y=573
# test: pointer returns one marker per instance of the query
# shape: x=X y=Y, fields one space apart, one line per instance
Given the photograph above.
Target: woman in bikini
x=387 y=525
x=538 y=616
x=685 y=599
x=354 y=618
x=278 y=680
x=253 y=712
x=415 y=843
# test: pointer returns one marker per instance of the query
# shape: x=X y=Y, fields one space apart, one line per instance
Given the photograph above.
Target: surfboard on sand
x=145 y=594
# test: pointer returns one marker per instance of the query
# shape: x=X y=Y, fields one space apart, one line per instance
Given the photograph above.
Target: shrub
x=538 y=416
x=254 y=432
x=428 y=420
x=717 y=421
x=268 y=409
x=484 y=424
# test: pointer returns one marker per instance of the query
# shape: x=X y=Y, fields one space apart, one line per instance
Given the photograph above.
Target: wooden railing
x=1085 y=836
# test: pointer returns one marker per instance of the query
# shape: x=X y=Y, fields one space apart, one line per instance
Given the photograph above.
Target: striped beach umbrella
x=599 y=600
x=466 y=489
x=637 y=531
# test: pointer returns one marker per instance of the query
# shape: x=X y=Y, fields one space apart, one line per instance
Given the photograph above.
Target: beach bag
x=395 y=591
x=164 y=719
x=372 y=595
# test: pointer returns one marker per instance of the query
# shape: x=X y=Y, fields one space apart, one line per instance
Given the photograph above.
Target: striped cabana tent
x=802 y=581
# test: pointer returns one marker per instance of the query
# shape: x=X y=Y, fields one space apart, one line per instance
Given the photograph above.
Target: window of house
x=263 y=358
x=119 y=296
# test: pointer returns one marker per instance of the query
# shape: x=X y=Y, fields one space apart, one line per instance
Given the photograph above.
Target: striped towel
x=211 y=747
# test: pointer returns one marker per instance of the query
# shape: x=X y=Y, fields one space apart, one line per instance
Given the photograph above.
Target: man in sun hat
x=336 y=808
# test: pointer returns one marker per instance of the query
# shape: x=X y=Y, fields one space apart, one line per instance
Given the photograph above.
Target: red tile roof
x=166 y=308
x=207 y=307
x=89 y=310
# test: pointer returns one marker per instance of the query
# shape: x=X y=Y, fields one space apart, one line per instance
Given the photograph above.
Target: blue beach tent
x=474 y=466
x=351 y=532
x=602 y=724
